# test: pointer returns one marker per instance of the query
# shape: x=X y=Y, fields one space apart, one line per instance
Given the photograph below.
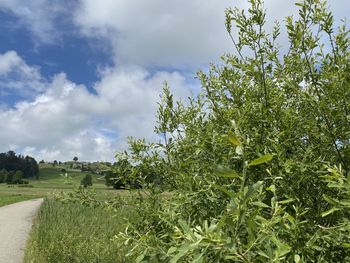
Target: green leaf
x=330 y=211
x=261 y=253
x=140 y=258
x=234 y=139
x=271 y=188
x=296 y=258
x=286 y=201
x=226 y=172
x=185 y=227
x=182 y=251
x=171 y=250
x=260 y=160
x=260 y=204
x=282 y=248
x=251 y=190
x=198 y=258
x=331 y=200
x=224 y=190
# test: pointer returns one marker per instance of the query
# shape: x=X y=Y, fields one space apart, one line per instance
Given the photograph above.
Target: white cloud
x=172 y=33
x=156 y=32
x=38 y=16
x=16 y=75
x=67 y=120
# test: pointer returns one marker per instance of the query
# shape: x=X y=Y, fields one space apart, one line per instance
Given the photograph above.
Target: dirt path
x=15 y=224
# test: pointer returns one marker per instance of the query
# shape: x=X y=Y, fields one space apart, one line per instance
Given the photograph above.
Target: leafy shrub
x=86 y=181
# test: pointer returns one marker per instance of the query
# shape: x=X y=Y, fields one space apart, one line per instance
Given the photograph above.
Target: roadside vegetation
x=257 y=165
x=71 y=232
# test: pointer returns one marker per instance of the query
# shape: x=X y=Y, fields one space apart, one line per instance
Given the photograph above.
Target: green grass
x=10 y=199
x=75 y=233
x=52 y=179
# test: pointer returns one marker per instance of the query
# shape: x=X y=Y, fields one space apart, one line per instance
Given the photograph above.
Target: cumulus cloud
x=16 y=76
x=172 y=33
x=156 y=32
x=40 y=17
x=68 y=120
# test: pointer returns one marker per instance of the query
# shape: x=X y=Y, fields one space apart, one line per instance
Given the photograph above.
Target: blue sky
x=79 y=76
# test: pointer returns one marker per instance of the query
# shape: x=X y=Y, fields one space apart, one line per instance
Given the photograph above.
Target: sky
x=77 y=77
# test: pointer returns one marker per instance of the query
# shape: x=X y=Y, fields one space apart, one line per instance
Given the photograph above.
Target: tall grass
x=71 y=232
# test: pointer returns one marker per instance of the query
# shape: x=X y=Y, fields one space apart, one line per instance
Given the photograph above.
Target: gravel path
x=15 y=224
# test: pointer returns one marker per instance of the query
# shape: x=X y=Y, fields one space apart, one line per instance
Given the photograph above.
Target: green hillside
x=51 y=179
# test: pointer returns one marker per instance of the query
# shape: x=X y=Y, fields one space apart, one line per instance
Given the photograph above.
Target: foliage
x=17 y=178
x=248 y=159
x=86 y=181
x=141 y=167
x=11 y=162
x=3 y=174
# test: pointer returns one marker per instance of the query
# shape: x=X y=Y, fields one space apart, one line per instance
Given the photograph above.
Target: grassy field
x=10 y=199
x=51 y=179
x=75 y=233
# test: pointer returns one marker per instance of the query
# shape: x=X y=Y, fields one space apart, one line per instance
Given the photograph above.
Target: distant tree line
x=12 y=177
x=15 y=167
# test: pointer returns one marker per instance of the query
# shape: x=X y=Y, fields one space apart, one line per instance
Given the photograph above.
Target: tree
x=31 y=168
x=12 y=162
x=75 y=159
x=9 y=177
x=86 y=181
x=3 y=174
x=17 y=177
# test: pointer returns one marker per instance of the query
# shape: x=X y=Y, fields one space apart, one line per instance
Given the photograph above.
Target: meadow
x=51 y=180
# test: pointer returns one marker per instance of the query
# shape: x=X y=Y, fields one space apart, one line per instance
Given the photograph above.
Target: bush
x=246 y=159
x=86 y=181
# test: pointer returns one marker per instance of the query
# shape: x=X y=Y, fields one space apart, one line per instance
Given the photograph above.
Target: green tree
x=3 y=174
x=9 y=177
x=86 y=181
x=17 y=177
